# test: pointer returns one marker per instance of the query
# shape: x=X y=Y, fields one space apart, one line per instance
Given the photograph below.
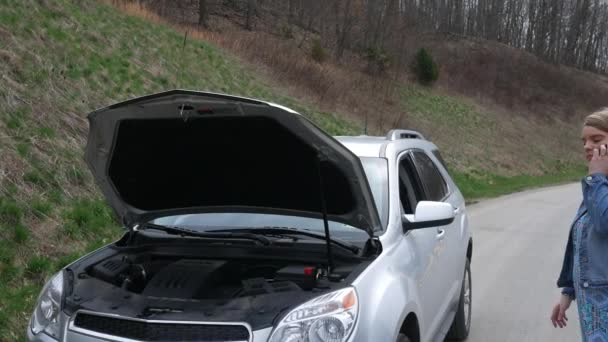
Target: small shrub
x=8 y=272
x=37 y=267
x=76 y=176
x=55 y=196
x=425 y=67
x=23 y=149
x=11 y=189
x=10 y=212
x=16 y=119
x=14 y=123
x=41 y=208
x=20 y=234
x=318 y=52
x=7 y=251
x=36 y=178
x=286 y=31
x=41 y=175
x=377 y=60
x=46 y=132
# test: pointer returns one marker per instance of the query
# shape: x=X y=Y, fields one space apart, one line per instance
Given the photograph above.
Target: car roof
x=375 y=146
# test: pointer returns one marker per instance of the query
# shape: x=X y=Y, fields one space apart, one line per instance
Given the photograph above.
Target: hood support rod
x=320 y=159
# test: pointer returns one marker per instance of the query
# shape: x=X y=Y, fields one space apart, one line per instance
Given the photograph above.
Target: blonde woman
x=584 y=274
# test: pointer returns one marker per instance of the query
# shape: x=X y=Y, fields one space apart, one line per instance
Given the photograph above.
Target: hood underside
x=184 y=152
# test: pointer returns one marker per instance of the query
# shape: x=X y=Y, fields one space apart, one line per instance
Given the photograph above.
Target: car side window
x=410 y=189
x=436 y=186
x=440 y=158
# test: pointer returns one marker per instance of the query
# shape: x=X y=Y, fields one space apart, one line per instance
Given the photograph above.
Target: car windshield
x=375 y=170
x=226 y=221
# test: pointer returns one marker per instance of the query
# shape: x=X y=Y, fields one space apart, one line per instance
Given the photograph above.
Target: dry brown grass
x=136 y=9
x=496 y=81
x=494 y=74
x=329 y=86
x=497 y=74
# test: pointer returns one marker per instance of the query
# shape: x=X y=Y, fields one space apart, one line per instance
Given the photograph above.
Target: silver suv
x=246 y=222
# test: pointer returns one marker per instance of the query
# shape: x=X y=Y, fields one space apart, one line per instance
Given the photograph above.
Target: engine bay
x=199 y=279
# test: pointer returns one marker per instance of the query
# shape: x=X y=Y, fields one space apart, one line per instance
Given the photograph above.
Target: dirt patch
x=10 y=59
x=43 y=231
x=11 y=166
x=5 y=35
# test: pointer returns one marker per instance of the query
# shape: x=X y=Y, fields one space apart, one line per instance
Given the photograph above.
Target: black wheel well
x=470 y=250
x=410 y=327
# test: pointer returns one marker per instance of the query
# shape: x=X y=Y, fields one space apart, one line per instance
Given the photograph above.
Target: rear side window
x=434 y=183
x=440 y=158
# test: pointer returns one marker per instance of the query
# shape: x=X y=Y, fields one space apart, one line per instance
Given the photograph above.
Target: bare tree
x=573 y=32
x=343 y=25
x=251 y=12
x=203 y=13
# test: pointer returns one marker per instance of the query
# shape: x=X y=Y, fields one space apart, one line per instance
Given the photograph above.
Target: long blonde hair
x=598 y=119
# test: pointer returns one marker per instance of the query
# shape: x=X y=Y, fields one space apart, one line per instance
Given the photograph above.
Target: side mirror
x=429 y=214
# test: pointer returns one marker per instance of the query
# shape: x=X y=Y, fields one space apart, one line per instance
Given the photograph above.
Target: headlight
x=329 y=318
x=46 y=314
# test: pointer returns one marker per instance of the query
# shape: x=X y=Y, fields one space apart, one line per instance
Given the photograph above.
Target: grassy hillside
x=60 y=60
x=63 y=58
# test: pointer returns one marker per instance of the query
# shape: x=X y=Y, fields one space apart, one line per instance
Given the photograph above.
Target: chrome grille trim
x=72 y=327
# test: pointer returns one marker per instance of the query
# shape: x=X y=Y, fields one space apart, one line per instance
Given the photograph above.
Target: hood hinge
x=133 y=229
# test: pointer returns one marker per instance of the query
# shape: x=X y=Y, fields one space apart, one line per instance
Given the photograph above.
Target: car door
x=445 y=254
x=424 y=244
x=459 y=233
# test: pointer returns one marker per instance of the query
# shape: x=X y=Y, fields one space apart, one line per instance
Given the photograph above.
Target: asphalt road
x=519 y=242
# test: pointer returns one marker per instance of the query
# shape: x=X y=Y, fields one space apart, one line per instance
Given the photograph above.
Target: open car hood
x=182 y=152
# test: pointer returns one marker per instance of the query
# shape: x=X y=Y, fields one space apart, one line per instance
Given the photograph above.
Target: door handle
x=440 y=234
x=456 y=211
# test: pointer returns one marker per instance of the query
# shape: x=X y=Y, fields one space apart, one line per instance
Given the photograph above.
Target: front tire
x=459 y=330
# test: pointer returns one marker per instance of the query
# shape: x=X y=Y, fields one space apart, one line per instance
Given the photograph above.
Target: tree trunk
x=343 y=17
x=203 y=14
x=251 y=12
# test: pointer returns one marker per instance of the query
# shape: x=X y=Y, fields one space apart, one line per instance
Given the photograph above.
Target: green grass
x=46 y=132
x=55 y=196
x=76 y=176
x=37 y=266
x=20 y=234
x=37 y=178
x=7 y=251
x=23 y=149
x=87 y=218
x=15 y=119
x=65 y=260
x=10 y=212
x=426 y=105
x=41 y=208
x=479 y=186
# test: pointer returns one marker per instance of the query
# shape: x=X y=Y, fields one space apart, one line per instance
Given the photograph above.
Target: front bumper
x=80 y=336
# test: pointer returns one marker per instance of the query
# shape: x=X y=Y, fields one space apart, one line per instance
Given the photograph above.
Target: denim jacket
x=594 y=241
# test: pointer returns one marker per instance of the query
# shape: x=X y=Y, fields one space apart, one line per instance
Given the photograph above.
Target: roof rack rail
x=395 y=134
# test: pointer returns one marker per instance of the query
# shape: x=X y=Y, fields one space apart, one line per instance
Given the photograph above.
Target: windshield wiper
x=293 y=231
x=209 y=234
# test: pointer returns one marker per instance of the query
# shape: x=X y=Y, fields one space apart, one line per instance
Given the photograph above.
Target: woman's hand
x=558 y=315
x=599 y=161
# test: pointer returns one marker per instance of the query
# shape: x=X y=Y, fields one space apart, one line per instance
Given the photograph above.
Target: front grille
x=147 y=331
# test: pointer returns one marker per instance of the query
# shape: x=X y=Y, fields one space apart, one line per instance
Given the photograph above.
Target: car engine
x=204 y=278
